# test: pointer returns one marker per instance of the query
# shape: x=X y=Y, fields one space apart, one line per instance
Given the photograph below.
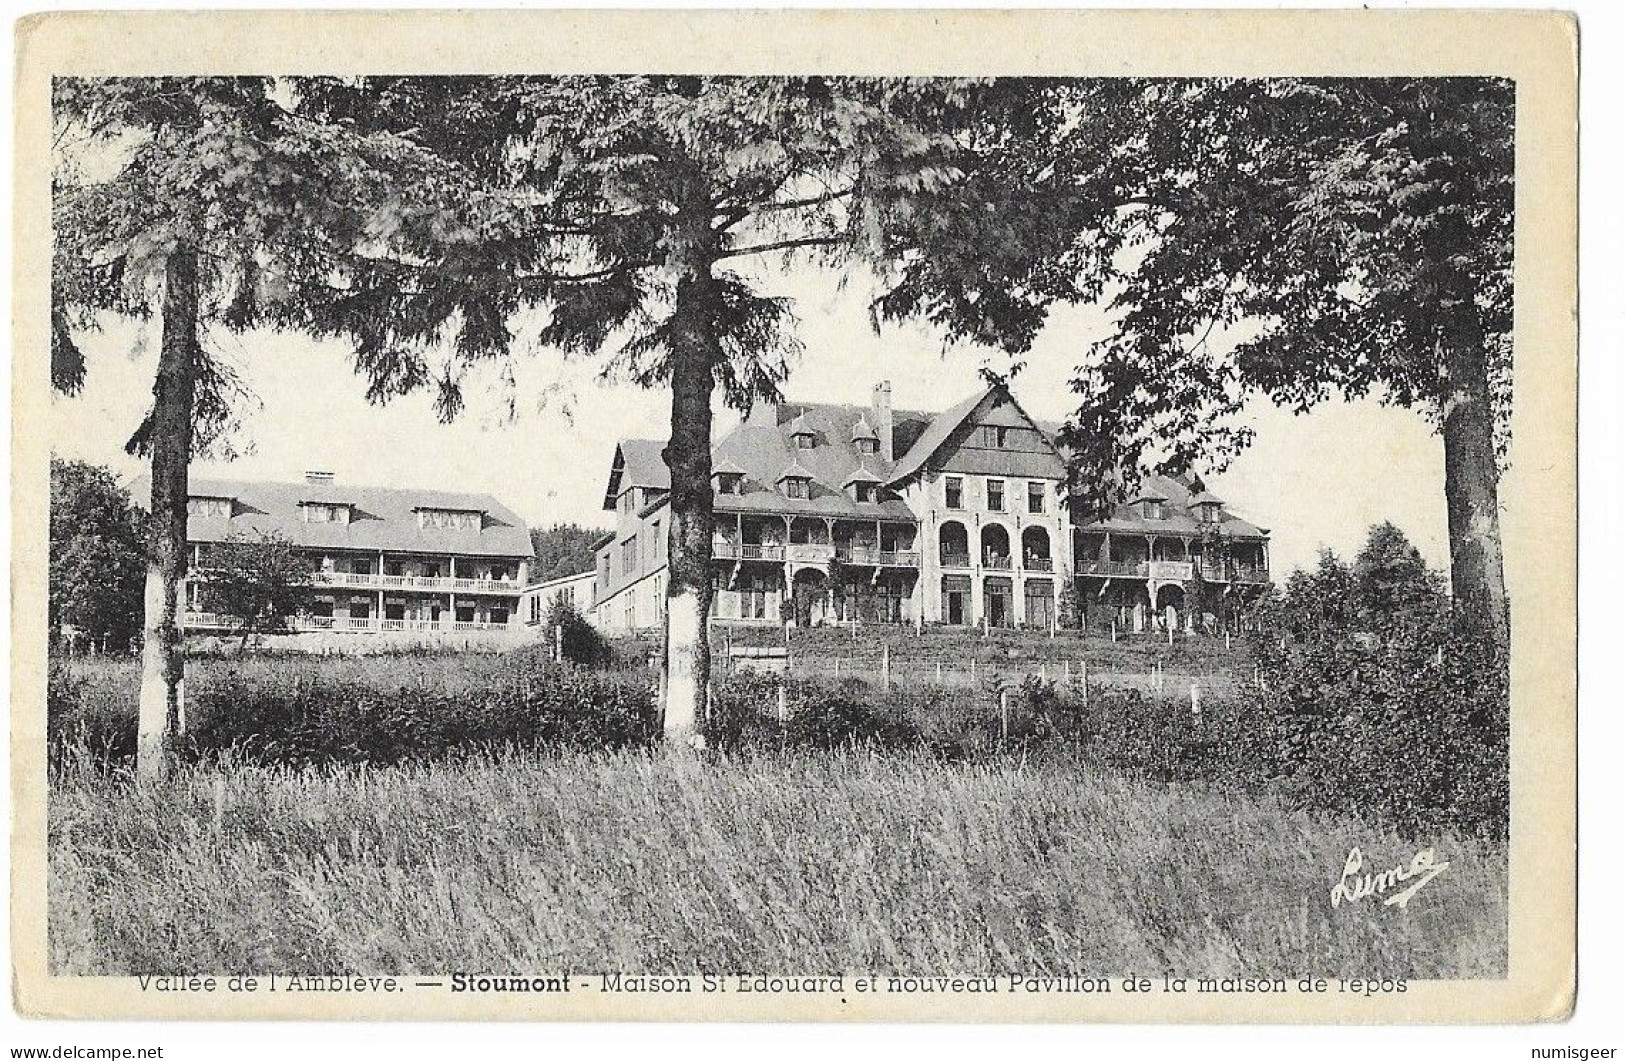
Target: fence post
x=885 y=668
x=1227 y=640
x=1114 y=631
x=784 y=706
x=1043 y=673
x=973 y=670
x=1083 y=680
x=939 y=672
x=1004 y=716
x=1196 y=701
x=1067 y=664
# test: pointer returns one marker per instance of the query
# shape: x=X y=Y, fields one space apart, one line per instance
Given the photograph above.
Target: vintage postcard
x=831 y=516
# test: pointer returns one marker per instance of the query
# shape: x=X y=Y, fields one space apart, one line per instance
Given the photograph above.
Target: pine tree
x=213 y=205
x=633 y=211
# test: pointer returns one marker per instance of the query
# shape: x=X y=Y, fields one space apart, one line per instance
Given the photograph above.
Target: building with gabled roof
x=838 y=513
x=385 y=559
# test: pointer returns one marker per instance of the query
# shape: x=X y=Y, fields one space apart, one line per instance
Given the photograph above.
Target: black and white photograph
x=814 y=543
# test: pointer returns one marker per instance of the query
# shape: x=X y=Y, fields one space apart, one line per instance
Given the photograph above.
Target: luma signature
x=1354 y=885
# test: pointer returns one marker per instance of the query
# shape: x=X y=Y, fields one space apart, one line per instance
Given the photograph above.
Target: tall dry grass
x=774 y=863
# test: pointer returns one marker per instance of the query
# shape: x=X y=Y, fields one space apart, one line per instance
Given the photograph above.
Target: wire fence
x=1156 y=681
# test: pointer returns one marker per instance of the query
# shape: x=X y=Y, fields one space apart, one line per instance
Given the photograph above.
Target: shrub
x=744 y=713
x=1374 y=697
x=373 y=711
x=580 y=640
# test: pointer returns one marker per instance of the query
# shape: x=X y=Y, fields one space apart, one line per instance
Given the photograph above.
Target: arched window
x=1035 y=553
x=995 y=546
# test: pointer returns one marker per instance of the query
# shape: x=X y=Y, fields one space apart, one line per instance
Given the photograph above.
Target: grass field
x=495 y=860
x=636 y=861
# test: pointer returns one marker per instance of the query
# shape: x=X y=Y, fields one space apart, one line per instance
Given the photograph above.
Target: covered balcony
x=995 y=547
x=876 y=544
x=954 y=544
x=1035 y=554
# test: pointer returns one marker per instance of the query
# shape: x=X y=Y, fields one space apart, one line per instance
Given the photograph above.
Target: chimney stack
x=881 y=405
x=319 y=477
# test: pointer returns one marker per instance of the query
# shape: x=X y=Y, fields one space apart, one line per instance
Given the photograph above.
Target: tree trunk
x=163 y=686
x=694 y=353
x=1477 y=582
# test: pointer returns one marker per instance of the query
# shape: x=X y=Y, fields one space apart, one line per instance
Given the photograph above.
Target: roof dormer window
x=1151 y=508
x=728 y=477
x=864 y=439
x=796 y=481
x=802 y=435
x=1208 y=507
x=324 y=512
x=864 y=485
x=210 y=507
x=450 y=519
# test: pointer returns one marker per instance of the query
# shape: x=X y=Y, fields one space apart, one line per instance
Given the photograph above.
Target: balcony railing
x=345 y=578
x=996 y=563
x=1038 y=563
x=356 y=623
x=207 y=621
x=360 y=580
x=1170 y=570
x=721 y=550
x=1117 y=568
x=955 y=559
x=872 y=557
x=811 y=553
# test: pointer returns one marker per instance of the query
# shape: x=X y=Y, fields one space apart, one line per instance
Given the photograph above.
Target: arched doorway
x=809 y=596
x=954 y=544
x=1170 y=606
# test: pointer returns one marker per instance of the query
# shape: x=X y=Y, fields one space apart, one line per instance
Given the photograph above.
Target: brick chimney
x=880 y=403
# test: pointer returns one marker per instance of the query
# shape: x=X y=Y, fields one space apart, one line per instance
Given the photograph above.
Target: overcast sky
x=1315 y=481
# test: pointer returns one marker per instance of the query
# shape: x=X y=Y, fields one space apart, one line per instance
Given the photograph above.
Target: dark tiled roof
x=931 y=439
x=384 y=518
x=1178 y=492
x=1178 y=519
x=638 y=462
x=762 y=447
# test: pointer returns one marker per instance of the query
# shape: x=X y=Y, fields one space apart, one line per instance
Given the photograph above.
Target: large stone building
x=833 y=513
x=419 y=561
